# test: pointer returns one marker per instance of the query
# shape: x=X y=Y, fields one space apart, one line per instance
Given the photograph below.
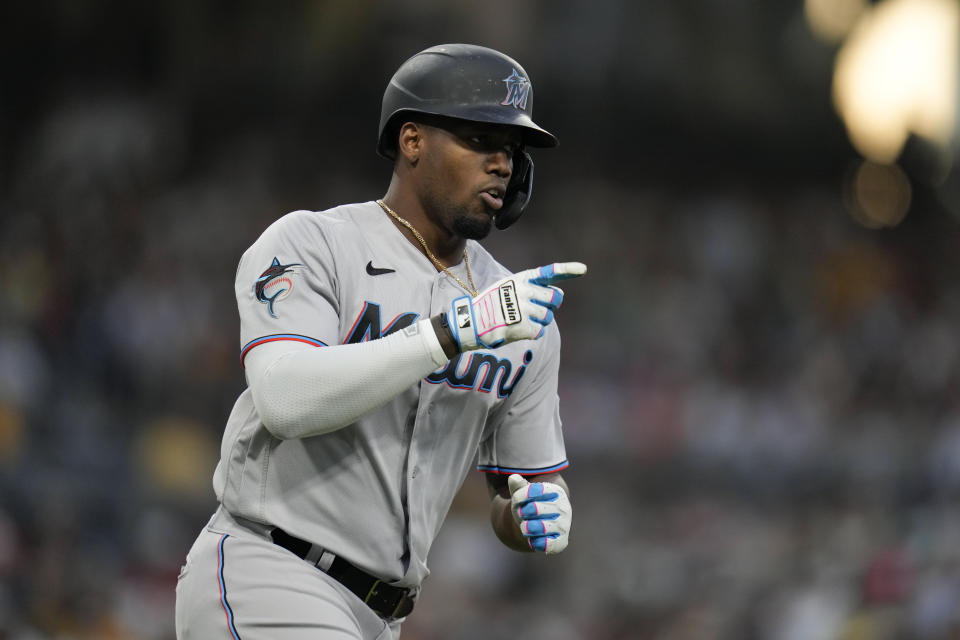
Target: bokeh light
x=897 y=74
x=878 y=195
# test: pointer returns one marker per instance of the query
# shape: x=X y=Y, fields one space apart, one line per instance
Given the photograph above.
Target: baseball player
x=385 y=350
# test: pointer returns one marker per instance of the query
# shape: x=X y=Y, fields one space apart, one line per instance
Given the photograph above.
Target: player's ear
x=410 y=142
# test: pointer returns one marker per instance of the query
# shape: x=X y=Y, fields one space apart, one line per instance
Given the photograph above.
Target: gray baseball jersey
x=377 y=491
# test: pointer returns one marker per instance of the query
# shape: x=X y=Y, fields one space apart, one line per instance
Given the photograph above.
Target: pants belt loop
x=326 y=559
x=315 y=554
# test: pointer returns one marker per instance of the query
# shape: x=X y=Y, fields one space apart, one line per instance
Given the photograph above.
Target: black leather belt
x=387 y=601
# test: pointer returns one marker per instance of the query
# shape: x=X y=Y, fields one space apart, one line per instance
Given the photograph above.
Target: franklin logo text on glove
x=508 y=298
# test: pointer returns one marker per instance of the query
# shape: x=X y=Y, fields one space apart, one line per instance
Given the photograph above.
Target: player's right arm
x=287 y=293
x=302 y=391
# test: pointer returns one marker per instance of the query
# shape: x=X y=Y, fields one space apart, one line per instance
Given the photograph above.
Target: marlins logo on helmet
x=518 y=88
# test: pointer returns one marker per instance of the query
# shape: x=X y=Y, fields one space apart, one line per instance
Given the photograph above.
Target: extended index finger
x=548 y=274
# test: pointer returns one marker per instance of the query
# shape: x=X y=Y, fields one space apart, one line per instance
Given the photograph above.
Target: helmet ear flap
x=518 y=191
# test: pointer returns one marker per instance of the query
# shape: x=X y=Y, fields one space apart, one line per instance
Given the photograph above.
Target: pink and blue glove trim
x=543 y=513
x=532 y=518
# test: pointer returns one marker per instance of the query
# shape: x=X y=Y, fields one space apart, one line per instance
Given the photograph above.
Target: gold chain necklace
x=472 y=289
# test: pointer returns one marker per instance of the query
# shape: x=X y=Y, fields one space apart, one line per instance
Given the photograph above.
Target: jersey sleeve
x=526 y=435
x=286 y=285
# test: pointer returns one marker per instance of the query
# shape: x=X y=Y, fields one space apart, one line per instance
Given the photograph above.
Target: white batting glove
x=517 y=307
x=542 y=511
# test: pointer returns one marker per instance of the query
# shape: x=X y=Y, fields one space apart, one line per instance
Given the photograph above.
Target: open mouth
x=493 y=198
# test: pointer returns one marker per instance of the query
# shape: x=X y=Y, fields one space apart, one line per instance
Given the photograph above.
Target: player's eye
x=488 y=143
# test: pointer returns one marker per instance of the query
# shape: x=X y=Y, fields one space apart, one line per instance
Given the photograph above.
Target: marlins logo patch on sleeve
x=275 y=284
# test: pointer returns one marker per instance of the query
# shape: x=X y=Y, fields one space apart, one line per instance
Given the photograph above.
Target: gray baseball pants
x=238 y=585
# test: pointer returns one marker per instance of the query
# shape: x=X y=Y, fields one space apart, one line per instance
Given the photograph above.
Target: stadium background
x=760 y=372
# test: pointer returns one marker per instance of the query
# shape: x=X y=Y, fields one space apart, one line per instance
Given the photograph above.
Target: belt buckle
x=404 y=599
x=373 y=590
x=392 y=615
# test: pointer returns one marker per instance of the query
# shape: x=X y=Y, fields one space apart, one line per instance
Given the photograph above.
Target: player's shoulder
x=307 y=225
x=353 y=213
x=327 y=219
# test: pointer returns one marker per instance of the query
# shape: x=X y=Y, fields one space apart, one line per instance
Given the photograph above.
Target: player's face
x=469 y=166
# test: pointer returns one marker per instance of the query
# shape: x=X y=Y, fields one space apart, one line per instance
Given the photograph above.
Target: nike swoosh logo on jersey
x=375 y=271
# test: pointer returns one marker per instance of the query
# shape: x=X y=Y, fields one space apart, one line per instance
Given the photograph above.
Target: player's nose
x=500 y=163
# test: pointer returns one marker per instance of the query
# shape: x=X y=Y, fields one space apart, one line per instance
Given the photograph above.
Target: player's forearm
x=309 y=391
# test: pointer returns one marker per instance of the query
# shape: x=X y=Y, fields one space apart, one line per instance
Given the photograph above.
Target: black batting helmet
x=467 y=82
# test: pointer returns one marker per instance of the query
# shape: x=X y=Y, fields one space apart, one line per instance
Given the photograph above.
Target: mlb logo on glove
x=463 y=314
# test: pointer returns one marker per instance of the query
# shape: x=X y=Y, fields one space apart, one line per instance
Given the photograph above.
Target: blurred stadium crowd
x=759 y=395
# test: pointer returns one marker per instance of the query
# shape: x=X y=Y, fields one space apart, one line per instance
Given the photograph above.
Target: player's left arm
x=531 y=513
